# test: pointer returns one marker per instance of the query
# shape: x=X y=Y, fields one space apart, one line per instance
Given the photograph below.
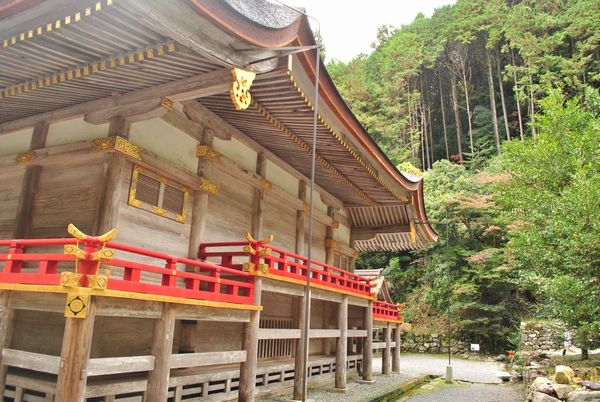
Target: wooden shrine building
x=139 y=141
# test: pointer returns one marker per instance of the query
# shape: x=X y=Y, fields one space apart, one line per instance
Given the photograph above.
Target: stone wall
x=541 y=336
x=431 y=343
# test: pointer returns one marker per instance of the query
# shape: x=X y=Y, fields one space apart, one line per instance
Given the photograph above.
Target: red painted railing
x=387 y=311
x=275 y=261
x=40 y=261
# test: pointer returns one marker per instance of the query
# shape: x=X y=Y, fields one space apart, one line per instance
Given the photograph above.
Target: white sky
x=348 y=27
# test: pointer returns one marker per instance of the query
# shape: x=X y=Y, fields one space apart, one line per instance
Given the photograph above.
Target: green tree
x=552 y=197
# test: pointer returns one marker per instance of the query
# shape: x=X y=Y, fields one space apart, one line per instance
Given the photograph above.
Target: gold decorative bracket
x=413 y=233
x=25 y=157
x=240 y=88
x=119 y=144
x=204 y=151
x=208 y=186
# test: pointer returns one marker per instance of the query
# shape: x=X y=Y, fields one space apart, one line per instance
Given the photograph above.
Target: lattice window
x=156 y=194
x=275 y=347
x=341 y=261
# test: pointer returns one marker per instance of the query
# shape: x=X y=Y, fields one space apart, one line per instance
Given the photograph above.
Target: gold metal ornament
x=208 y=186
x=97 y=281
x=267 y=240
x=249 y=250
x=248 y=267
x=119 y=144
x=249 y=237
x=204 y=151
x=69 y=279
x=240 y=88
x=266 y=184
x=25 y=157
x=265 y=251
x=263 y=268
x=76 y=305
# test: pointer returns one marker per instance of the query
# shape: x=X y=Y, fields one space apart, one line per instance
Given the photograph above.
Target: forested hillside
x=496 y=104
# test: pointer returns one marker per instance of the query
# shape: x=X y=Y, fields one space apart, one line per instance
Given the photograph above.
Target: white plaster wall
x=74 y=130
x=282 y=179
x=15 y=143
x=239 y=153
x=166 y=141
x=342 y=235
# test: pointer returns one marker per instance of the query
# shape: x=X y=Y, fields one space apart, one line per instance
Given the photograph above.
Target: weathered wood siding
x=10 y=192
x=67 y=193
x=280 y=221
x=230 y=211
x=38 y=332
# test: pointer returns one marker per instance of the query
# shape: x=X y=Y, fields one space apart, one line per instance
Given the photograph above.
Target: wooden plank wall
x=280 y=221
x=67 y=193
x=10 y=191
x=230 y=211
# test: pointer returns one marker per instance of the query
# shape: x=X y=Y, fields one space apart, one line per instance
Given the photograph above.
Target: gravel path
x=471 y=393
x=465 y=370
x=415 y=365
x=356 y=391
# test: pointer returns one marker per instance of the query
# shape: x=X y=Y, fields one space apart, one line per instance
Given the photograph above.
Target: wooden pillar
x=301 y=220
x=119 y=125
x=162 y=345
x=396 y=351
x=250 y=345
x=30 y=184
x=329 y=242
x=352 y=262
x=299 y=367
x=341 y=354
x=200 y=202
x=7 y=319
x=74 y=355
x=259 y=198
x=386 y=360
x=111 y=193
x=368 y=344
x=112 y=188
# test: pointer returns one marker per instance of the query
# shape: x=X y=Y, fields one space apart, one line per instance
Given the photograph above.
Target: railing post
x=75 y=353
x=341 y=353
x=387 y=353
x=13 y=265
x=7 y=316
x=396 y=352
x=157 y=388
x=250 y=345
x=368 y=344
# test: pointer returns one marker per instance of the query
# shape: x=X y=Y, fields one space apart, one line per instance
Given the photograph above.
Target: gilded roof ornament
x=240 y=88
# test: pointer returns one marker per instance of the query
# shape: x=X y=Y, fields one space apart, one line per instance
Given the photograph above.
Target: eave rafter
x=307 y=148
x=84 y=70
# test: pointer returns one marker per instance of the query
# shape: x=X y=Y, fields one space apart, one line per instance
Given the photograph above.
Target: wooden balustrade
x=38 y=262
x=268 y=260
x=387 y=311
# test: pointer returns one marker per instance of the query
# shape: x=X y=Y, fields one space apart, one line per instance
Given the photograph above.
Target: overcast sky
x=348 y=27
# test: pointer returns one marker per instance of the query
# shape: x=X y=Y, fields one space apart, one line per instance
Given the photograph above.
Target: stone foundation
x=541 y=336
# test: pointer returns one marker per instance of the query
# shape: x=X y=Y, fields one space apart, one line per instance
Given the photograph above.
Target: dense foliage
x=486 y=97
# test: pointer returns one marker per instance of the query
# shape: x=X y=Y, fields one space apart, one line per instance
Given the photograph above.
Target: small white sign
x=474 y=347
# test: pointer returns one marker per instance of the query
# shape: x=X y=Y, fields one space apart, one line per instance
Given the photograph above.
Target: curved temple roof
x=279 y=27
x=203 y=39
